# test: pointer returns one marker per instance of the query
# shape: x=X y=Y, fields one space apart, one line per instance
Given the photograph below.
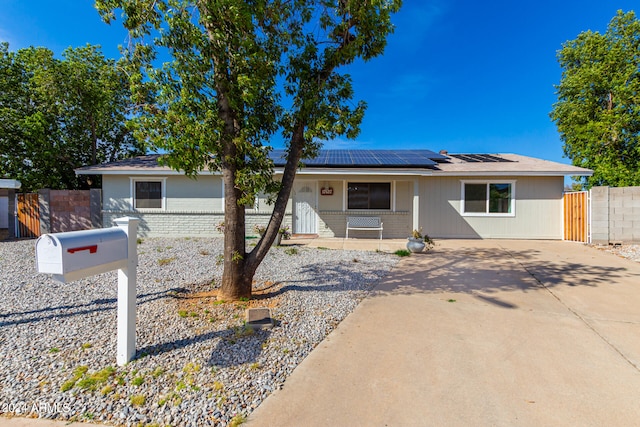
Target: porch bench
x=363 y=223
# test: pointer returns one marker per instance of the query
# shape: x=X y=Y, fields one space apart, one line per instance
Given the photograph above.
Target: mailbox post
x=126 y=348
x=78 y=254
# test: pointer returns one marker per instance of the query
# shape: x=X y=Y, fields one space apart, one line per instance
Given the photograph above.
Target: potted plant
x=417 y=242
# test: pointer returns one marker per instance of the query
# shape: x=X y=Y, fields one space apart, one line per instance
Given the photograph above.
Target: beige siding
x=538 y=210
x=182 y=194
x=203 y=194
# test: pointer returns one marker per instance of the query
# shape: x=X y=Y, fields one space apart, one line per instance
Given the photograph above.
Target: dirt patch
x=205 y=304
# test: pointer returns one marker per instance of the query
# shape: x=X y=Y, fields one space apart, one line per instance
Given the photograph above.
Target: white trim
x=132 y=189
x=351 y=171
x=512 y=201
x=140 y=172
x=345 y=200
x=416 y=204
x=510 y=173
x=393 y=195
x=223 y=198
x=361 y=171
x=10 y=184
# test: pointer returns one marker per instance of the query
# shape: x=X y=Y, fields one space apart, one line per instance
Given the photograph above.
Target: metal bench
x=364 y=223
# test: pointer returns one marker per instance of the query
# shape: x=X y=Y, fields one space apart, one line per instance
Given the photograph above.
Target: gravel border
x=631 y=252
x=196 y=363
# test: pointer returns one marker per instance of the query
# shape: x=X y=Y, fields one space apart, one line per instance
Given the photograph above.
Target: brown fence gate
x=576 y=216
x=28 y=215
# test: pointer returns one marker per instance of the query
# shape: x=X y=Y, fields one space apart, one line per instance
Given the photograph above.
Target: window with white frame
x=148 y=193
x=369 y=195
x=491 y=198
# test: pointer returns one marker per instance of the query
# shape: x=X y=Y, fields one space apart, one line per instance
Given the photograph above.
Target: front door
x=304 y=204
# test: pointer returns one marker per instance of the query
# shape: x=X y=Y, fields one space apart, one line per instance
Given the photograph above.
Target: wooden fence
x=576 y=216
x=28 y=215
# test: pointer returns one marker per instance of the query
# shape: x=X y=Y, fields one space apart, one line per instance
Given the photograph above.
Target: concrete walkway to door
x=479 y=333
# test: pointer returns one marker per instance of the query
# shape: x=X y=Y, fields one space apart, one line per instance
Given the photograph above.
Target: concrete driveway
x=482 y=333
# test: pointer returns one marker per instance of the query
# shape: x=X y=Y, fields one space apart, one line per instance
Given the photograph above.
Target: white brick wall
x=185 y=224
x=396 y=225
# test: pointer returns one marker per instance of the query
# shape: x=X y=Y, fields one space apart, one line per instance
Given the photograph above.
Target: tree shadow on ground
x=71 y=310
x=234 y=346
x=323 y=277
x=490 y=270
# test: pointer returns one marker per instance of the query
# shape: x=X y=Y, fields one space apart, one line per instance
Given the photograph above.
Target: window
x=369 y=195
x=488 y=198
x=148 y=194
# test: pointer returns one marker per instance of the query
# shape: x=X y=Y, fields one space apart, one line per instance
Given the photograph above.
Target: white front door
x=304 y=204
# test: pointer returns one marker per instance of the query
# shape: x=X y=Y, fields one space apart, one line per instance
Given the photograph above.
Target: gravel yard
x=631 y=252
x=196 y=364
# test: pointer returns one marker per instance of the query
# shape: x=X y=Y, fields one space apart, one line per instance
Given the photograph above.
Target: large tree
x=598 y=108
x=59 y=114
x=238 y=72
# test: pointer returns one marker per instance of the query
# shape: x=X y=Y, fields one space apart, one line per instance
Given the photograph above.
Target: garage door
x=4 y=212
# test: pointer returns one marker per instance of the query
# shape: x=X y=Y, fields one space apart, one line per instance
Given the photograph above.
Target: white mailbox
x=77 y=254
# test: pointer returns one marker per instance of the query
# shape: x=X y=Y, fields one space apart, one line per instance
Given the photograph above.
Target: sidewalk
x=384 y=245
x=495 y=333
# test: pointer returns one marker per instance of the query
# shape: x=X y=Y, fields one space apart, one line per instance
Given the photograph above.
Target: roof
x=377 y=162
x=10 y=183
x=365 y=159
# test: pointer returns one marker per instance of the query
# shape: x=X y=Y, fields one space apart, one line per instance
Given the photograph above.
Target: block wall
x=185 y=224
x=615 y=215
x=396 y=225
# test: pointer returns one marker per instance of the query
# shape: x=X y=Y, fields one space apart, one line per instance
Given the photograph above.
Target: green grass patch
x=77 y=374
x=402 y=252
x=165 y=261
x=138 y=400
x=291 y=251
x=237 y=420
x=108 y=389
x=95 y=380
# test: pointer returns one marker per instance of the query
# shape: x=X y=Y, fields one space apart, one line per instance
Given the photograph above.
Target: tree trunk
x=236 y=284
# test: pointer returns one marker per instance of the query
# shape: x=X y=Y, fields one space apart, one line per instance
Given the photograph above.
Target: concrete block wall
x=396 y=225
x=184 y=224
x=615 y=215
x=170 y=224
x=261 y=218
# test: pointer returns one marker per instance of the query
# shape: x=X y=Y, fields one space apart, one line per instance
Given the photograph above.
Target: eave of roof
x=515 y=166
x=10 y=184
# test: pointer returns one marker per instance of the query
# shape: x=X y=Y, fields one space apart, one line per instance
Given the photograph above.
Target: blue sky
x=463 y=76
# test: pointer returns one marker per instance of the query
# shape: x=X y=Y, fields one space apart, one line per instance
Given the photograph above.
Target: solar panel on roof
x=480 y=158
x=365 y=158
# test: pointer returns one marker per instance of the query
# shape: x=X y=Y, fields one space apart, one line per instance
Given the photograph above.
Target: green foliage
x=291 y=251
x=402 y=252
x=238 y=73
x=598 y=108
x=138 y=400
x=60 y=114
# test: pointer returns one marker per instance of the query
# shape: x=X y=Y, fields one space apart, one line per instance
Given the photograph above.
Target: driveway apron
x=482 y=333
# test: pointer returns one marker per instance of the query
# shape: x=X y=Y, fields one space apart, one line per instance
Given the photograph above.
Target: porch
x=384 y=245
